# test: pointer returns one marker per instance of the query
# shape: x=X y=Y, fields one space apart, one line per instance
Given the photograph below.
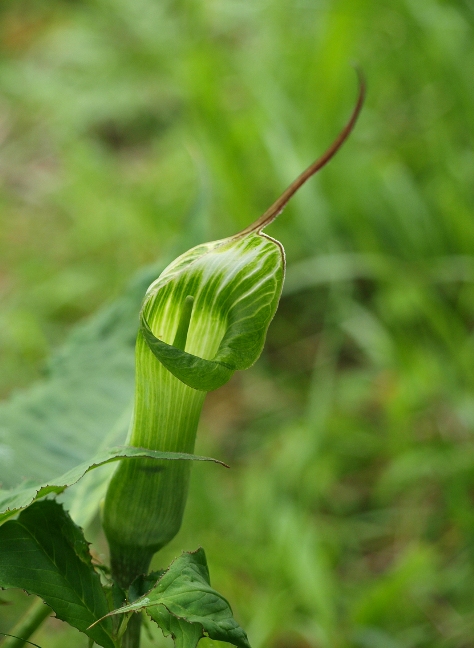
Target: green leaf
x=45 y=553
x=85 y=403
x=184 y=634
x=143 y=584
x=183 y=597
x=236 y=285
x=19 y=498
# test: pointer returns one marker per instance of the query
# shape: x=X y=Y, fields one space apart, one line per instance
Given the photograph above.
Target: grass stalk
x=36 y=614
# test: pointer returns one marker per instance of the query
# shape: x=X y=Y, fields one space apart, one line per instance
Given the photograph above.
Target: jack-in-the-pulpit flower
x=204 y=318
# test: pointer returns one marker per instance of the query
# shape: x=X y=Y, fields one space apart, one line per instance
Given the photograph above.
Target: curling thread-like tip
x=278 y=206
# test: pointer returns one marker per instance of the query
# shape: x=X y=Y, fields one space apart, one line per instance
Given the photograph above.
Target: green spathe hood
x=236 y=284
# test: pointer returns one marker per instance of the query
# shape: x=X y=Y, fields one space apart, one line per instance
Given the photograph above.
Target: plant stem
x=130 y=564
x=26 y=626
x=131 y=638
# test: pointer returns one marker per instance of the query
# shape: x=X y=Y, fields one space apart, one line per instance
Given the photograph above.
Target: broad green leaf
x=184 y=634
x=85 y=403
x=19 y=498
x=184 y=593
x=236 y=285
x=45 y=553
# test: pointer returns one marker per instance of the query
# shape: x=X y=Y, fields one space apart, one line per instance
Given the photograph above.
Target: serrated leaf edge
x=120 y=453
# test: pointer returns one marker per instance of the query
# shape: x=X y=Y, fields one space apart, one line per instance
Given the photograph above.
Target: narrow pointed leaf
x=184 y=591
x=45 y=553
x=19 y=498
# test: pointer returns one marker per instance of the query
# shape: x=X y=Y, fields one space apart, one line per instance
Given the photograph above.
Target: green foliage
x=13 y=501
x=183 y=603
x=351 y=439
x=85 y=401
x=45 y=553
x=184 y=634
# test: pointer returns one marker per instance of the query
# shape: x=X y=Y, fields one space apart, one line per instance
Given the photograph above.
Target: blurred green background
x=133 y=129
